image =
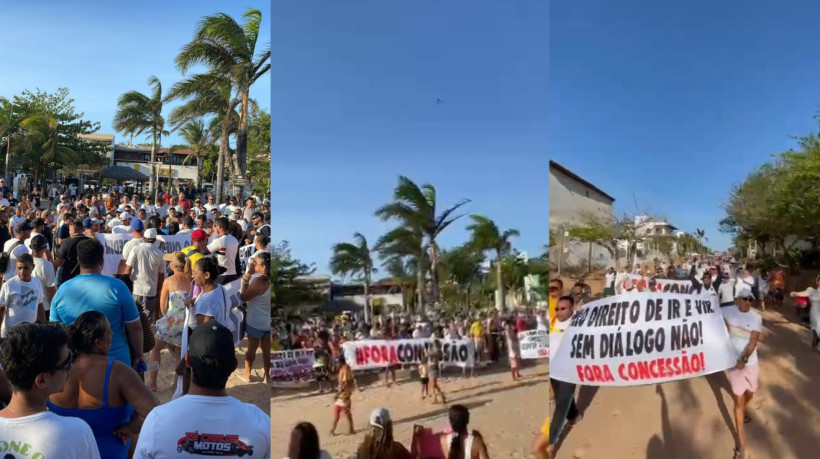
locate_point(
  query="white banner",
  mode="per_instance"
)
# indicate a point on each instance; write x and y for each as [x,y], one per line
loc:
[641,283]
[368,354]
[535,344]
[245,253]
[114,243]
[291,369]
[643,338]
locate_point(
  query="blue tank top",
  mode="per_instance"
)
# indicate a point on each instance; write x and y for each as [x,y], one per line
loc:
[103,421]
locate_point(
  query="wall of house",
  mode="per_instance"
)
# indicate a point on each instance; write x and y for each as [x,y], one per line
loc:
[386,299]
[570,202]
[178,172]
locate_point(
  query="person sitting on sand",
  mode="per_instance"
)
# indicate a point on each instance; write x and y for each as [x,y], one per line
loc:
[344,394]
[379,443]
[304,443]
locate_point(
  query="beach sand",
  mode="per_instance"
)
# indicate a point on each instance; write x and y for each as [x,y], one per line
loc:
[256,392]
[692,418]
[507,414]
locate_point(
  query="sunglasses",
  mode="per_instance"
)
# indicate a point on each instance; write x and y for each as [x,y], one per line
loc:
[748,298]
[553,289]
[65,365]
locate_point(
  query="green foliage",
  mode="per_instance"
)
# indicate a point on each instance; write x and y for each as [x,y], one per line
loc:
[70,124]
[353,259]
[288,290]
[40,147]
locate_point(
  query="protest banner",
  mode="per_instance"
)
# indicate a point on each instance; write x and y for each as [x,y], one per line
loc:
[640,283]
[369,354]
[245,253]
[643,338]
[114,243]
[291,369]
[535,344]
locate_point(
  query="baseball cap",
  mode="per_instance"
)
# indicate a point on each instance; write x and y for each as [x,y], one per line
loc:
[87,223]
[212,340]
[136,224]
[199,235]
[126,215]
[150,234]
[38,222]
[38,242]
[23,226]
[380,417]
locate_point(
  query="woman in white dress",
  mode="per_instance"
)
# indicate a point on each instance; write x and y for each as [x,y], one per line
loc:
[813,294]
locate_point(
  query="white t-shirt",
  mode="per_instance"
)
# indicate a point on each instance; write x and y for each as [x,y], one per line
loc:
[208,206]
[113,222]
[557,334]
[726,292]
[28,241]
[741,325]
[20,300]
[11,271]
[148,264]
[225,248]
[129,246]
[44,272]
[213,304]
[610,280]
[185,231]
[162,211]
[48,435]
[203,426]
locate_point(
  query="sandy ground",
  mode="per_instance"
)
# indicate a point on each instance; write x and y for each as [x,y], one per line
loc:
[256,392]
[507,414]
[694,418]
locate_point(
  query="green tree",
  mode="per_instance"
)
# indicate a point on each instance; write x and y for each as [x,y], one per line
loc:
[41,148]
[137,114]
[461,266]
[487,236]
[415,207]
[355,260]
[70,124]
[229,50]
[288,274]
[197,138]
[10,120]
[407,246]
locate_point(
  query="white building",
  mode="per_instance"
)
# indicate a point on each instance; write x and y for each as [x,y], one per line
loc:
[572,200]
[138,157]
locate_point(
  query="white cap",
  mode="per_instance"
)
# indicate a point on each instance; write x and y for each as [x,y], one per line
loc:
[380,417]
[150,234]
[126,215]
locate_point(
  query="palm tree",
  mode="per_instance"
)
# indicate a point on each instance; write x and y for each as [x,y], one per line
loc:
[138,113]
[355,259]
[402,269]
[197,138]
[229,50]
[414,207]
[462,266]
[9,127]
[487,236]
[41,148]
[407,246]
[700,235]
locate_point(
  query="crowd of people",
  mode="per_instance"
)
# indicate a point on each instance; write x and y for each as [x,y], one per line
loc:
[494,338]
[738,291]
[75,344]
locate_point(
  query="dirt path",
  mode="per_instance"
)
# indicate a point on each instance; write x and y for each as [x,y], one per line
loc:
[507,414]
[692,418]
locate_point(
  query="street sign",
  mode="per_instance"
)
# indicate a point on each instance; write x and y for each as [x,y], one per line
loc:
[240,181]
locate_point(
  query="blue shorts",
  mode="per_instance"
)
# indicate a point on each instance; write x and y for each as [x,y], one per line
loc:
[256,333]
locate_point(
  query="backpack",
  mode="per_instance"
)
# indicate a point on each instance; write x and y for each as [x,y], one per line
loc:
[5,257]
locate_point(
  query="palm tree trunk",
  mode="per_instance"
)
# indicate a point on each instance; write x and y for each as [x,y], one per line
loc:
[434,290]
[8,157]
[367,311]
[152,183]
[241,158]
[499,302]
[198,170]
[220,163]
[420,284]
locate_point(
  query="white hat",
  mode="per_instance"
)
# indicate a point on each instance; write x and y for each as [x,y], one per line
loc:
[125,216]
[380,417]
[150,234]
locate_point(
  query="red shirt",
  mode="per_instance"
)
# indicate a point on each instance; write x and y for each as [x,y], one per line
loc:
[520,325]
[186,205]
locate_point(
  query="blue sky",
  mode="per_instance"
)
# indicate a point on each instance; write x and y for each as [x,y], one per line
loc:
[101,49]
[354,95]
[673,102]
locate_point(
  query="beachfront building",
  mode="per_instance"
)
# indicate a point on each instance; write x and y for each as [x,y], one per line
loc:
[138,157]
[659,239]
[572,201]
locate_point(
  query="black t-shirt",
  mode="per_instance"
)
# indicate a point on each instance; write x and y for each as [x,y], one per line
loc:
[4,235]
[68,252]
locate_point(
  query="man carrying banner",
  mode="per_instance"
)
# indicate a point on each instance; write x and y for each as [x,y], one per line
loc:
[745,327]
[562,392]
